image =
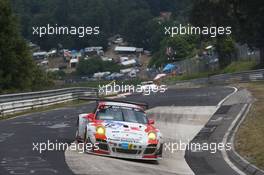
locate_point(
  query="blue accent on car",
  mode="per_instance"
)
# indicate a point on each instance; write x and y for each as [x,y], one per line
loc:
[124,145]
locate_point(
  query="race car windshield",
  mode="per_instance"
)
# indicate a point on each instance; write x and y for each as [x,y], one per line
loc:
[122,114]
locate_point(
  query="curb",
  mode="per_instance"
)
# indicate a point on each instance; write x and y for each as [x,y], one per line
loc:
[241,162]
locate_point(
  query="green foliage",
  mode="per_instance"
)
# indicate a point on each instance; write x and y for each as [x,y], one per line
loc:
[14,56]
[182,47]
[129,18]
[57,75]
[174,79]
[17,69]
[251,23]
[41,80]
[134,28]
[245,18]
[155,34]
[226,48]
[95,64]
[239,66]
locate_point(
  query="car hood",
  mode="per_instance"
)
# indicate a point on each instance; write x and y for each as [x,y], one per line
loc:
[125,132]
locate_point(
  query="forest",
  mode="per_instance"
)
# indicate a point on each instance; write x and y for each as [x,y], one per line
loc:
[112,16]
[135,20]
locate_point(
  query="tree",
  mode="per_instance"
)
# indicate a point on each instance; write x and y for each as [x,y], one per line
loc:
[174,49]
[130,18]
[135,27]
[95,64]
[249,14]
[17,69]
[15,62]
[215,13]
[245,18]
[226,48]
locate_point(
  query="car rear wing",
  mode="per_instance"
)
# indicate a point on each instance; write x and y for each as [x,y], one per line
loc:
[142,104]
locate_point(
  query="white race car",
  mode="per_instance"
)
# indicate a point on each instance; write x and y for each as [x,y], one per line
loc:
[120,129]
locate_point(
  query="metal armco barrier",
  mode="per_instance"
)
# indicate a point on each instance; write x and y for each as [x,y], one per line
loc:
[13,103]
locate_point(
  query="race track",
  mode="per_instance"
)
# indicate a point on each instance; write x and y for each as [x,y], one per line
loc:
[18,135]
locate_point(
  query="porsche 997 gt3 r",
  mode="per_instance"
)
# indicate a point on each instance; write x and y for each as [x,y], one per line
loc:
[120,129]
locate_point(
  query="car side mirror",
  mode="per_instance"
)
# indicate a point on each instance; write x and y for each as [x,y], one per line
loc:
[91,117]
[151,122]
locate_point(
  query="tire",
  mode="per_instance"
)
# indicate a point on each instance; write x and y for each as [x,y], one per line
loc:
[85,136]
[86,140]
[159,152]
[77,137]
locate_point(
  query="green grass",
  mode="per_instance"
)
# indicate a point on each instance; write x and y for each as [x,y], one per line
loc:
[239,66]
[249,139]
[174,79]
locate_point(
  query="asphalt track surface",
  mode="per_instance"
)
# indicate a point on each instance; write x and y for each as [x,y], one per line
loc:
[18,135]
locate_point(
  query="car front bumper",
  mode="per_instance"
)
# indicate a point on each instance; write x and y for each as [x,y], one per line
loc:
[129,150]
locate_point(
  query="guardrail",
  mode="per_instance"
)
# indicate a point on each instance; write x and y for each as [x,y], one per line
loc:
[13,103]
[246,76]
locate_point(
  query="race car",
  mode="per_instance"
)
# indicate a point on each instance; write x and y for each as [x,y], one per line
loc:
[120,129]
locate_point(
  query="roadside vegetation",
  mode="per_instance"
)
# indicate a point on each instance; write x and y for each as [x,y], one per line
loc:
[95,64]
[249,138]
[174,79]
[132,19]
[181,47]
[242,16]
[18,71]
[141,23]
[237,66]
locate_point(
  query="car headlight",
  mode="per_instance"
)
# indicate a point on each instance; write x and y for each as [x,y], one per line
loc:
[152,136]
[100,130]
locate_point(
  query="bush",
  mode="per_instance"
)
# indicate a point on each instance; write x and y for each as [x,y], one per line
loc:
[182,47]
[239,66]
[95,64]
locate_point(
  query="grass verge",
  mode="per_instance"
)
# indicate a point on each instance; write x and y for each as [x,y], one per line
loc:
[174,79]
[47,108]
[237,66]
[249,140]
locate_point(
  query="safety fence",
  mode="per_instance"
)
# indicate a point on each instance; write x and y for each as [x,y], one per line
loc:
[13,103]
